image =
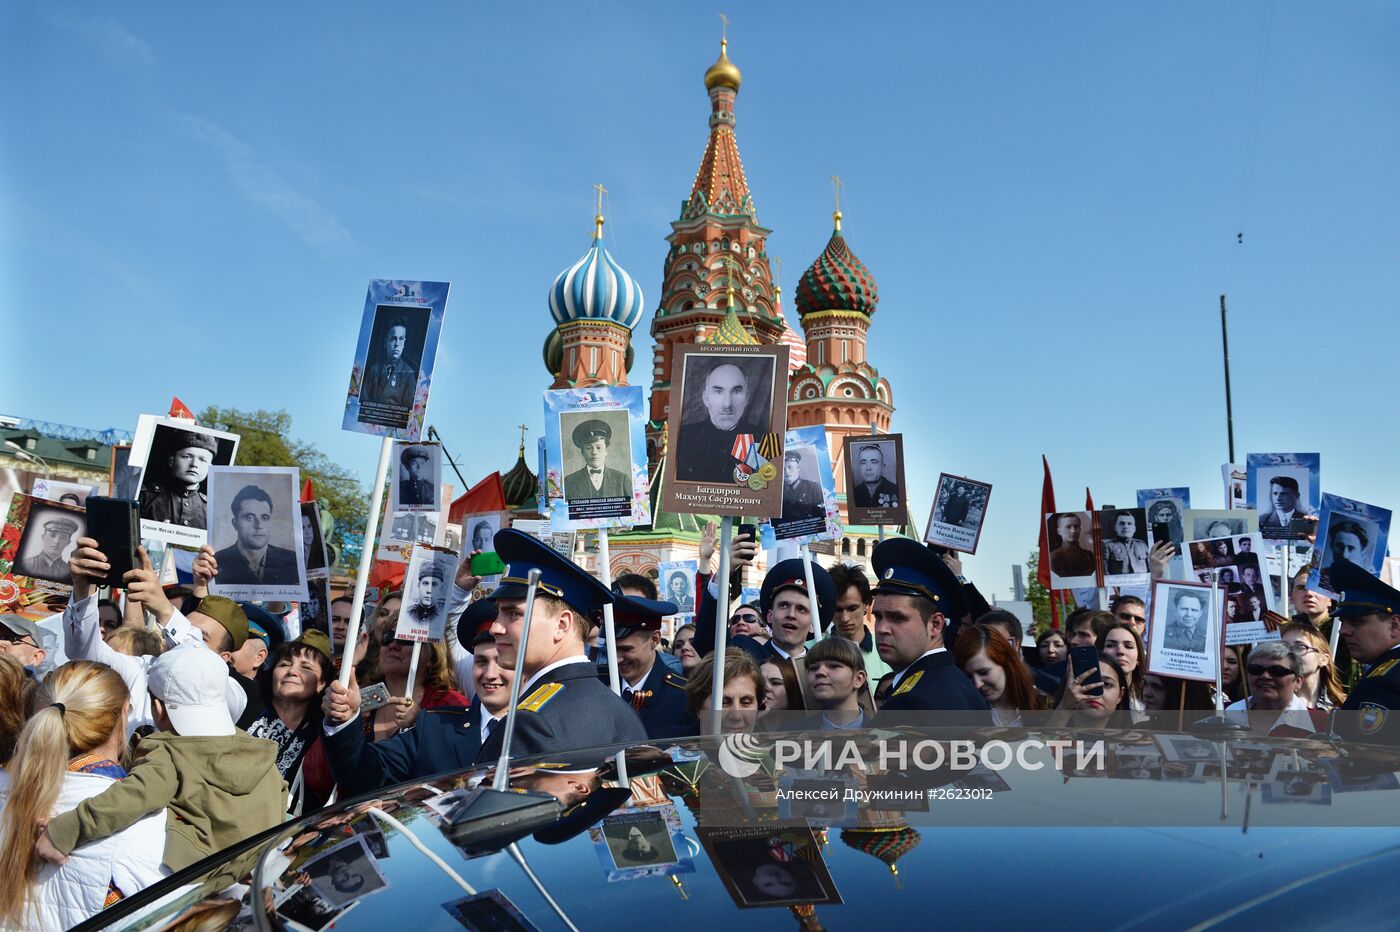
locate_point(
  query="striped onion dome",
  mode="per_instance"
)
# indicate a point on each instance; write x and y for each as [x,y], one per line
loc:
[596,288]
[519,483]
[797,347]
[837,281]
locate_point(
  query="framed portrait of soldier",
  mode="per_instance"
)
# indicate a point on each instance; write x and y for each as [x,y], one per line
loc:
[959,508]
[641,843]
[174,486]
[1285,489]
[810,513]
[417,470]
[727,423]
[313,541]
[595,452]
[675,580]
[1070,537]
[779,864]
[423,612]
[394,358]
[1183,633]
[46,534]
[1348,530]
[875,488]
[255,529]
[1123,546]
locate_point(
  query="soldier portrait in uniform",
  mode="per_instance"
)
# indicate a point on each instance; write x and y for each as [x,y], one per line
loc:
[175,482]
[256,530]
[959,507]
[423,613]
[875,478]
[416,472]
[1182,639]
[802,492]
[1069,535]
[1124,544]
[597,463]
[638,839]
[395,352]
[762,868]
[47,540]
[391,371]
[313,542]
[345,873]
[723,400]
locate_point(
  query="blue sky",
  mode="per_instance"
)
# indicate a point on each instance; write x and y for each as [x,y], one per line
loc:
[1047,194]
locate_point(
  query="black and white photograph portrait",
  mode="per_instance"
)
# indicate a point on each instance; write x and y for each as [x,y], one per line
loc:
[1183,637]
[255,529]
[1070,536]
[1350,538]
[1204,524]
[47,540]
[676,582]
[959,507]
[1186,749]
[417,469]
[315,612]
[69,493]
[345,873]
[1124,544]
[307,908]
[770,865]
[392,364]
[1284,488]
[875,478]
[597,452]
[313,541]
[638,839]
[175,481]
[404,529]
[1167,511]
[726,405]
[803,499]
[423,611]
[479,531]
[490,911]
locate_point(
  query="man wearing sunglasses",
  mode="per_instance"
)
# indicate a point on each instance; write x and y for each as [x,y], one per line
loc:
[1131,609]
[22,640]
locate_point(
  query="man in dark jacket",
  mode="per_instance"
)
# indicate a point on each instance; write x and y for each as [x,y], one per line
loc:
[648,686]
[705,449]
[252,558]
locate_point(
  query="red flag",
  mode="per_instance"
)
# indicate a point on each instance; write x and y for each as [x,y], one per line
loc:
[387,575]
[308,491]
[178,409]
[486,495]
[1088,499]
[1042,570]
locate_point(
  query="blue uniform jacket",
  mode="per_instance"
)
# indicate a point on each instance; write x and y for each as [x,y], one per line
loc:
[441,740]
[933,682]
[568,709]
[1372,710]
[661,707]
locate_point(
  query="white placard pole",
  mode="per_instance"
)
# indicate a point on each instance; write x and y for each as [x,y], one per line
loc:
[357,607]
[726,534]
[1219,641]
[609,628]
[812,605]
[413,669]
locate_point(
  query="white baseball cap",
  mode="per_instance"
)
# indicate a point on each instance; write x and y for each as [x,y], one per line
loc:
[192,681]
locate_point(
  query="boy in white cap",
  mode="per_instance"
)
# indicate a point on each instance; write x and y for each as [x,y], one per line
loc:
[218,784]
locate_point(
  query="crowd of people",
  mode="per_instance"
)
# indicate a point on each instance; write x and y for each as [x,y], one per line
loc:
[170,731]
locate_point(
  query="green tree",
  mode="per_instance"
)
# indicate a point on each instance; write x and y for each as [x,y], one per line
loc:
[1036,594]
[266,440]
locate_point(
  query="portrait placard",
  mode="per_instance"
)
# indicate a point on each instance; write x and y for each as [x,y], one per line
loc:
[417,471]
[346,872]
[810,512]
[1183,638]
[123,479]
[394,358]
[255,529]
[39,537]
[1285,489]
[1239,572]
[777,864]
[875,490]
[727,422]
[596,457]
[479,531]
[423,612]
[175,480]
[401,530]
[491,910]
[1070,537]
[69,493]
[1241,630]
[315,612]
[959,508]
[313,541]
[675,580]
[1349,530]
[1236,478]
[1123,546]
[1208,523]
[636,843]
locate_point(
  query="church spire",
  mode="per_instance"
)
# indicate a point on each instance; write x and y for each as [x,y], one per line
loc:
[720,186]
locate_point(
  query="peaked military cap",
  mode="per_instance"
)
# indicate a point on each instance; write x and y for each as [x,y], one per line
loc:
[633,613]
[590,430]
[560,577]
[1362,593]
[788,574]
[907,567]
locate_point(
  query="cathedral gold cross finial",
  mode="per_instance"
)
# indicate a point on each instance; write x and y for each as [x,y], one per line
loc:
[728,262]
[837,185]
[598,217]
[523,428]
[778,276]
[724,28]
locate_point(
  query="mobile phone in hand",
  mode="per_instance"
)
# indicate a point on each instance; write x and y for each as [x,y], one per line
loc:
[1161,533]
[115,523]
[749,531]
[1087,658]
[374,697]
[487,563]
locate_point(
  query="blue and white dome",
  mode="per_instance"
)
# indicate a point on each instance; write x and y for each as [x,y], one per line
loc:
[596,288]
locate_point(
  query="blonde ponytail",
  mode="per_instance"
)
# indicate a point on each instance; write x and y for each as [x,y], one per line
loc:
[89,702]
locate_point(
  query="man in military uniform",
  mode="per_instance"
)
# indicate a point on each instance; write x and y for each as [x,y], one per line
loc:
[1186,628]
[802,498]
[175,495]
[595,479]
[1123,553]
[705,449]
[413,488]
[392,380]
[648,686]
[681,590]
[49,563]
[1070,559]
[915,596]
[427,606]
[1369,613]
[252,559]
[873,490]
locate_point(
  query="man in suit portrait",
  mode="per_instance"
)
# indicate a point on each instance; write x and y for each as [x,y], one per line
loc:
[595,479]
[1283,497]
[252,558]
[705,449]
[414,489]
[1186,625]
[802,498]
[392,378]
[955,506]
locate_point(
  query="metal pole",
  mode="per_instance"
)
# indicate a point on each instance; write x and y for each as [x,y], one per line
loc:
[357,607]
[1229,407]
[1219,641]
[434,435]
[502,779]
[726,534]
[413,669]
[609,628]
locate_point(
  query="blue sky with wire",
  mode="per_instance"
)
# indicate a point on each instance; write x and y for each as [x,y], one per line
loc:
[1049,196]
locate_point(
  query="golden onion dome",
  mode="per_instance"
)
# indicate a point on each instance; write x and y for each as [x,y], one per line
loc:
[723,73]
